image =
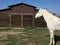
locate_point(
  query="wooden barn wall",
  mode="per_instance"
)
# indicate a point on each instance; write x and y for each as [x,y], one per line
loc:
[16,21]
[22,9]
[40,22]
[6,12]
[27,20]
[4,20]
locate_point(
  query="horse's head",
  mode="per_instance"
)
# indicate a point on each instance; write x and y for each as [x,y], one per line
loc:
[40,12]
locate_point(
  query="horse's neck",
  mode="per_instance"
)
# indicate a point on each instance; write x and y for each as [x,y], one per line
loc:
[48,17]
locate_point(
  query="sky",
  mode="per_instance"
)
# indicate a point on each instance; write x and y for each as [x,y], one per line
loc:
[52,5]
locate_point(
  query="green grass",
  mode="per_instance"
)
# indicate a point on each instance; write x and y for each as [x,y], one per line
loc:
[29,36]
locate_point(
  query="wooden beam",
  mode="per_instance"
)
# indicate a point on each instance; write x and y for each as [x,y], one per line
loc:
[22,13]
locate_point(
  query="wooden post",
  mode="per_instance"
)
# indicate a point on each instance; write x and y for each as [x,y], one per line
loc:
[22,20]
[9,20]
[33,20]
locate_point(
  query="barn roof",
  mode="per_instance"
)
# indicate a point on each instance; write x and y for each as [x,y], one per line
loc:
[9,7]
[21,4]
[5,9]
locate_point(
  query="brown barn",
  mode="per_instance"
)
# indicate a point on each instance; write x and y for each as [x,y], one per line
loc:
[20,15]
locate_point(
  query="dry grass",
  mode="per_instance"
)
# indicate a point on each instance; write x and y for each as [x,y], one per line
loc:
[27,36]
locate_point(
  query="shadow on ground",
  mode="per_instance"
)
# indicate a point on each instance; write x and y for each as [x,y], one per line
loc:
[56,37]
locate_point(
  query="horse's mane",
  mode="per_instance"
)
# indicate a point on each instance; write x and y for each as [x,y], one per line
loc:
[52,12]
[49,11]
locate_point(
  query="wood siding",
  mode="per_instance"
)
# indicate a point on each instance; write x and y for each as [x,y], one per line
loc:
[4,20]
[27,20]
[20,16]
[16,20]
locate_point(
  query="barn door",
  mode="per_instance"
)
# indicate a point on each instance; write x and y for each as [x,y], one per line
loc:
[16,20]
[27,20]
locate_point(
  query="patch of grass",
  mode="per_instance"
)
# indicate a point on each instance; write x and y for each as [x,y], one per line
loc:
[12,40]
[37,35]
[29,36]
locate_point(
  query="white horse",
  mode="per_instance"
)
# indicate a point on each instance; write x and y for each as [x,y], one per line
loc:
[53,22]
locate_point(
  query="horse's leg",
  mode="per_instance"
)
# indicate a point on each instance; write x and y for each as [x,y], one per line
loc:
[53,41]
[51,37]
